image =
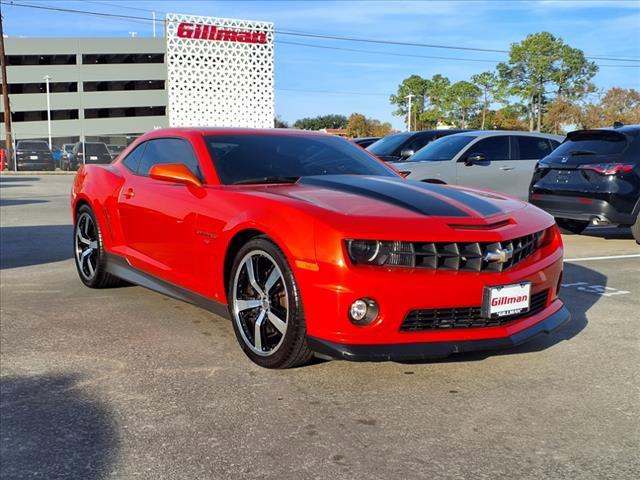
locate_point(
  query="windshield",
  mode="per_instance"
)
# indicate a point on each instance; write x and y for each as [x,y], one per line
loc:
[592,143]
[444,148]
[32,146]
[258,158]
[389,144]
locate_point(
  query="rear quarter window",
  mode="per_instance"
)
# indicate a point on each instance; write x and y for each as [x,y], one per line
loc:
[532,148]
[132,160]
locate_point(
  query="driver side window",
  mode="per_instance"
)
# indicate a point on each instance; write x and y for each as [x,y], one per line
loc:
[163,151]
[418,143]
[493,148]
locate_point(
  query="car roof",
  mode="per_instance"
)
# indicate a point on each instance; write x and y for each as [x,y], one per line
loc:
[437,130]
[632,129]
[204,131]
[493,133]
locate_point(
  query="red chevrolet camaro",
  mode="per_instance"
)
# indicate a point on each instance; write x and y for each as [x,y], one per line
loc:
[313,246]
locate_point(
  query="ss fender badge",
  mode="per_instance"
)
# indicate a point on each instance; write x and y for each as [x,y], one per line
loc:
[207,236]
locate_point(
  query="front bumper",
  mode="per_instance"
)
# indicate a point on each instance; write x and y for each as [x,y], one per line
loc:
[581,208]
[432,350]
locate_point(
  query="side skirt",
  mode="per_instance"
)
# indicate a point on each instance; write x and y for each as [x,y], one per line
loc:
[118,266]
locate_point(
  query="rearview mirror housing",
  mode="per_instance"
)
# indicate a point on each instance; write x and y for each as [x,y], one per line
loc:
[176,173]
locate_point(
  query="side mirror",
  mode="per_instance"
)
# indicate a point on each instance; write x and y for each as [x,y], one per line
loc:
[174,172]
[406,153]
[474,158]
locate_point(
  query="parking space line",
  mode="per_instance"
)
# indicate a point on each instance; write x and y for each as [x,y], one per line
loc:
[609,257]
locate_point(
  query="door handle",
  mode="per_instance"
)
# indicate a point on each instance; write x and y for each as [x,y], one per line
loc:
[129,194]
[506,169]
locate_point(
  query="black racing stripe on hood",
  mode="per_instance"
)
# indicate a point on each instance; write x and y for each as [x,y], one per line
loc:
[474,202]
[391,191]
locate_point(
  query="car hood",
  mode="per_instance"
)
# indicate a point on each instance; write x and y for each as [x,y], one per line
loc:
[390,197]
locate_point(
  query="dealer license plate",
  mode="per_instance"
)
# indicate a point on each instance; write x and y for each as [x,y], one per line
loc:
[33,157]
[506,300]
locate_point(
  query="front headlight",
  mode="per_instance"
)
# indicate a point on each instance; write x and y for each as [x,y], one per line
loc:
[381,252]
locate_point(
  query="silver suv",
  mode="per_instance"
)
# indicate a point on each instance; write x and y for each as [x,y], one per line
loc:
[496,160]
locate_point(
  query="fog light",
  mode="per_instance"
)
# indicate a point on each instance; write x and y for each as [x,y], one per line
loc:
[363,311]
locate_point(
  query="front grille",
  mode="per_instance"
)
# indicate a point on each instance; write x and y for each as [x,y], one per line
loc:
[466,317]
[467,256]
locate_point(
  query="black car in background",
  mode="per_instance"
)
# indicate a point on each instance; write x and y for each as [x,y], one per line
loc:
[593,177]
[97,152]
[115,150]
[34,155]
[365,141]
[398,147]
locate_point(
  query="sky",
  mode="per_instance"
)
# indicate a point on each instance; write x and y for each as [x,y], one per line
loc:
[314,81]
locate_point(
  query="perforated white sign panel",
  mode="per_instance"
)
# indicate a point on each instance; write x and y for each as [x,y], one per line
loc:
[219,72]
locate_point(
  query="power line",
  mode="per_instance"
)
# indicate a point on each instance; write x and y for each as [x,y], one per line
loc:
[124,7]
[427,45]
[311,35]
[409,55]
[375,52]
[331,92]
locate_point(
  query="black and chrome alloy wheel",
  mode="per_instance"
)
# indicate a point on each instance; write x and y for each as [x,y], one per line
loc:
[260,303]
[266,307]
[89,253]
[86,246]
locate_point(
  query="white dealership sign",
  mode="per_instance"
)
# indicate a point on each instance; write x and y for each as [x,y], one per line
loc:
[219,72]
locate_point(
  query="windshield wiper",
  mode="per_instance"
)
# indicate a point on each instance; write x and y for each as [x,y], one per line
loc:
[581,152]
[259,180]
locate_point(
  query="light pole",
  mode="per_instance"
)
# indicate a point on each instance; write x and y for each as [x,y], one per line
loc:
[46,78]
[410,96]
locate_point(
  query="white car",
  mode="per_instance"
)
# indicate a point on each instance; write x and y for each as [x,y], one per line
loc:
[497,160]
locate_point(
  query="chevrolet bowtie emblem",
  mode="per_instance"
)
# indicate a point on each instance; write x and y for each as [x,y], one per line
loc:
[502,255]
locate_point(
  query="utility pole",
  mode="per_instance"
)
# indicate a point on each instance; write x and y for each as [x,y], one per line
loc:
[153,21]
[46,78]
[410,96]
[5,98]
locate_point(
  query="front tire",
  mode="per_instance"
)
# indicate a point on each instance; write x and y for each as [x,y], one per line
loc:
[635,230]
[567,225]
[89,252]
[266,308]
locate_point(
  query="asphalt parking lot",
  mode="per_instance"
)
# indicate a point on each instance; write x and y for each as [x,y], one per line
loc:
[126,383]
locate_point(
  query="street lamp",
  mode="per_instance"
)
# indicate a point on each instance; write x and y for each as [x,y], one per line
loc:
[46,78]
[409,97]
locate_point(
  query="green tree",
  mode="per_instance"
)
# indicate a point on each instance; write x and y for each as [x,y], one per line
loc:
[436,101]
[462,100]
[536,62]
[321,121]
[493,89]
[416,86]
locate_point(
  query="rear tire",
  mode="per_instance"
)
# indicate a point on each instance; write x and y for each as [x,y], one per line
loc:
[266,308]
[635,230]
[567,225]
[89,252]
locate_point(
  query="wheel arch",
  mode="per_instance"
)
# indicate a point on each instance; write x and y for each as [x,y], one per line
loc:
[235,244]
[81,201]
